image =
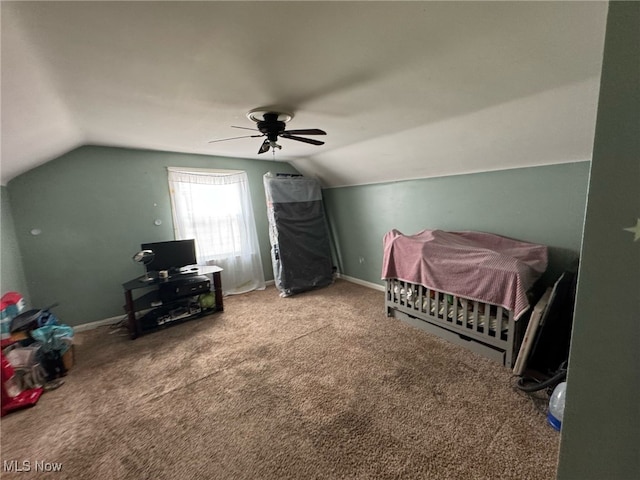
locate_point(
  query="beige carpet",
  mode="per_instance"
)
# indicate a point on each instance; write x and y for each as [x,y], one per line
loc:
[321,385]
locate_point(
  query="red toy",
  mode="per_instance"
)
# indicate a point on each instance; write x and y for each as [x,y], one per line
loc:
[12,397]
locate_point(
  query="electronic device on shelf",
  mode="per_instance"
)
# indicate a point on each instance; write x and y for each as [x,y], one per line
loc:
[192,285]
[171,256]
[145,257]
[175,312]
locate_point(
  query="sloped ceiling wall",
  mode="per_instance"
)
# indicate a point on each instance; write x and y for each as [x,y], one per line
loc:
[403,89]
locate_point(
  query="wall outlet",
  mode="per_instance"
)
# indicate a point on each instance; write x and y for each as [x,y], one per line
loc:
[360,260]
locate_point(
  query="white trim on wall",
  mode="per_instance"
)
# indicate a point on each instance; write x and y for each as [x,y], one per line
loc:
[364,283]
[99,323]
[114,320]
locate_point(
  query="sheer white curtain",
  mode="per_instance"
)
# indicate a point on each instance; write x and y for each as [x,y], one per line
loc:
[215,208]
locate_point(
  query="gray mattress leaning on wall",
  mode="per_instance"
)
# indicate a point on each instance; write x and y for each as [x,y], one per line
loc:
[300,248]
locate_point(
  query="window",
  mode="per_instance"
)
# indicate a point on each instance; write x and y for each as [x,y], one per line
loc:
[214,208]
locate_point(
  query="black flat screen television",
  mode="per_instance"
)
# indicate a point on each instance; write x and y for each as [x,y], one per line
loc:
[171,255]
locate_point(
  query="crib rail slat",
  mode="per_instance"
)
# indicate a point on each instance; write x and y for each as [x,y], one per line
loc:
[476,317]
[454,315]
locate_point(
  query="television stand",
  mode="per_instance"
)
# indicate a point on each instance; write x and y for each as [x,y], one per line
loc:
[177,306]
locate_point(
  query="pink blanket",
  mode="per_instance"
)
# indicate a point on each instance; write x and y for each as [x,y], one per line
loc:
[475,265]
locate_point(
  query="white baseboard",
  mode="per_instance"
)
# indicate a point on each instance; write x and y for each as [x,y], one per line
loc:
[97,323]
[114,320]
[364,283]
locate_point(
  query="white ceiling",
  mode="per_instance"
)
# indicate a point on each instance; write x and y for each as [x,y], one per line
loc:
[403,89]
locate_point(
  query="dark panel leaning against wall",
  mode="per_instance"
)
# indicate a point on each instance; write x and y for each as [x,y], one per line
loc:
[12,278]
[94,207]
[538,204]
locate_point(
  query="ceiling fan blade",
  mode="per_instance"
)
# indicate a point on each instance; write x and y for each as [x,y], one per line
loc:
[301,139]
[308,131]
[245,128]
[265,146]
[233,138]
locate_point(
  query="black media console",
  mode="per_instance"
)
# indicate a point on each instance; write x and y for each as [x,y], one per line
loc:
[168,300]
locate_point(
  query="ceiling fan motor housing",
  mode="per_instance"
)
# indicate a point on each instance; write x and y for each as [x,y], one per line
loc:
[271,126]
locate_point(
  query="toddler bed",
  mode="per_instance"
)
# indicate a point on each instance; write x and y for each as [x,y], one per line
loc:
[470,288]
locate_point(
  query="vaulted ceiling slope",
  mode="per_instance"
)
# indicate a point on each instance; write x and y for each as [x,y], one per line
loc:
[403,89]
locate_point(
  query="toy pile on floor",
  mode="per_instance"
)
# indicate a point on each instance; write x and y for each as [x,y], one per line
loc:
[36,352]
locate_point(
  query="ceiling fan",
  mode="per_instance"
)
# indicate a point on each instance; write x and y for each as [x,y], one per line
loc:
[271,124]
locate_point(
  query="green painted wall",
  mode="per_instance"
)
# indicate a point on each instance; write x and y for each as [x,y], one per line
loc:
[95,206]
[12,277]
[542,205]
[601,427]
